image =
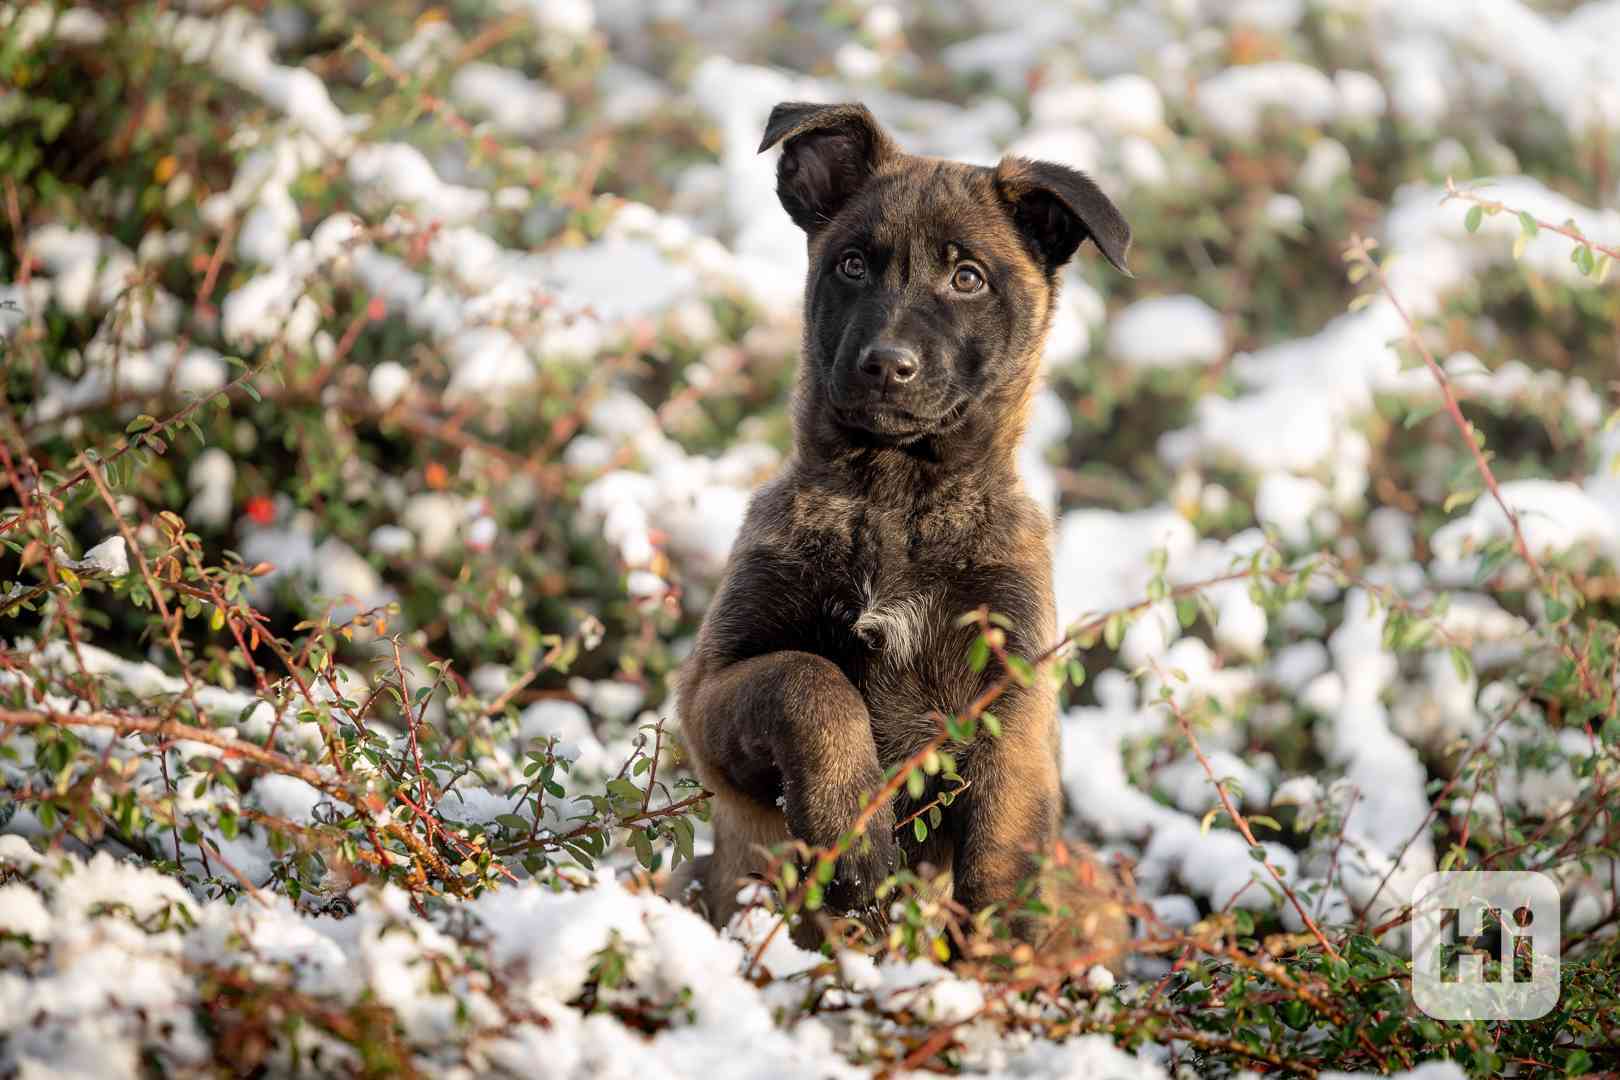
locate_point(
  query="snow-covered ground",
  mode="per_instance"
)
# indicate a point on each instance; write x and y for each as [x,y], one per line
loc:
[102,962]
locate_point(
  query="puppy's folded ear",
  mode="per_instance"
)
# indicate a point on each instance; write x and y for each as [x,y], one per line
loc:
[829,152]
[1057,207]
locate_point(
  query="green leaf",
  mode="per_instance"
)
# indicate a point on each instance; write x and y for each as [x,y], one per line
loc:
[681,827]
[1610,732]
[1472,219]
[621,788]
[140,423]
[1114,630]
[1077,673]
[1459,498]
[1492,558]
[1021,670]
[916,783]
[1528,224]
[1419,413]
[991,723]
[978,653]
[1462,662]
[919,829]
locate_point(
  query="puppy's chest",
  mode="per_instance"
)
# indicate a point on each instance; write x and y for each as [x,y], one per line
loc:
[896,617]
[907,653]
[890,603]
[900,617]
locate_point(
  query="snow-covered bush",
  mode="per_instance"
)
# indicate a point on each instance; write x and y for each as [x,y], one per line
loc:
[384,385]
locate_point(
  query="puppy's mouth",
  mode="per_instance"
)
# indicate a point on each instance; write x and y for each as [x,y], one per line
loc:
[890,421]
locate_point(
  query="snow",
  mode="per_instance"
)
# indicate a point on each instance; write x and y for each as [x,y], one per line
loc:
[564,18]
[1287,503]
[22,912]
[80,26]
[286,796]
[1326,162]
[389,381]
[398,173]
[1554,516]
[271,226]
[238,49]
[269,306]
[212,477]
[516,106]
[1235,101]
[1167,332]
[110,557]
[1122,105]
[570,725]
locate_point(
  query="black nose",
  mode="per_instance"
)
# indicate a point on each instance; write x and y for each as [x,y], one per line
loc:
[889,363]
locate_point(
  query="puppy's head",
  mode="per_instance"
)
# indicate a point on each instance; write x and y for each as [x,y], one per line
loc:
[931,282]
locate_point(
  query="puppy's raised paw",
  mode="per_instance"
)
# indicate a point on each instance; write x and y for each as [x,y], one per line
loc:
[861,870]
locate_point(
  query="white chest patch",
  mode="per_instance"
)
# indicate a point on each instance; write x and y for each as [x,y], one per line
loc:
[896,625]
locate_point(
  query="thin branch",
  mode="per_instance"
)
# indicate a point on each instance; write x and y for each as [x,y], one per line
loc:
[1492,207]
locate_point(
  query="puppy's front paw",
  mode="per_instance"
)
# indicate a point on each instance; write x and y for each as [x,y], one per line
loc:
[860,870]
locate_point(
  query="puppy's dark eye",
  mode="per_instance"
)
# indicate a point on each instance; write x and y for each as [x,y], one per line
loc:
[852,266]
[967,279]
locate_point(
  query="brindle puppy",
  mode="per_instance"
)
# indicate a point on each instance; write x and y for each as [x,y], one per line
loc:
[835,634]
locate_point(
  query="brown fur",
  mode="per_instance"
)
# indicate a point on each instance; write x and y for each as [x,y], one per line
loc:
[834,635]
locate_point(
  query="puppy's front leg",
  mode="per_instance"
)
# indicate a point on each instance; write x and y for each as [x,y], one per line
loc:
[1011,813]
[791,724]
